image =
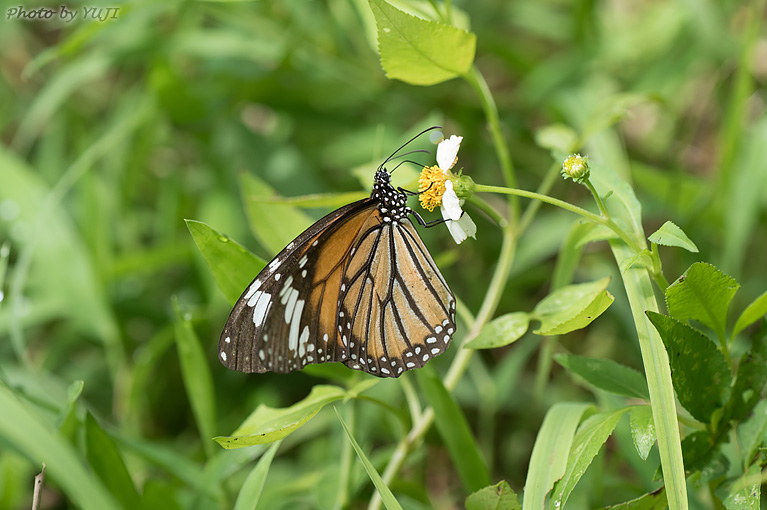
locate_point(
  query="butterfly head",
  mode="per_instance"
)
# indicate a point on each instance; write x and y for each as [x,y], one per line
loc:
[392,203]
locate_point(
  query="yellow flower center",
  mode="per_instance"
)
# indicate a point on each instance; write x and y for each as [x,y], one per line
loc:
[431,186]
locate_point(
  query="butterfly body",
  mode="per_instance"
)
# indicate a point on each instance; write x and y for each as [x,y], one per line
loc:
[358,287]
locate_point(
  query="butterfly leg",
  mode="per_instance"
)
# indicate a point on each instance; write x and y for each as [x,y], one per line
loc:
[425,223]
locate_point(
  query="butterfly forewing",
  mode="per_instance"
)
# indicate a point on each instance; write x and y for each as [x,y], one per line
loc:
[357,287]
[286,317]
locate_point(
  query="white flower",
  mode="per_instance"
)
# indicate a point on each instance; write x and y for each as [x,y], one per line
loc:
[436,188]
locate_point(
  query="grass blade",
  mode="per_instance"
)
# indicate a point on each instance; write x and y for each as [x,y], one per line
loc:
[254,483]
[386,495]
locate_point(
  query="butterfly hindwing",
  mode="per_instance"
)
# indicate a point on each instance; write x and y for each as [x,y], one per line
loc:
[396,310]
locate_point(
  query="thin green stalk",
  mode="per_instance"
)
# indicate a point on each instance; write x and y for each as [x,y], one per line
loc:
[478,83]
[602,220]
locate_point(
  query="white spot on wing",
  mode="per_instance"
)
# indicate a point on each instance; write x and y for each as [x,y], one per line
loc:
[261,306]
[291,298]
[295,323]
[302,261]
[253,288]
[302,341]
[223,356]
[227,340]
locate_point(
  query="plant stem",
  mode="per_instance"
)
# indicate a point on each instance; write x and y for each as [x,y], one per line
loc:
[602,220]
[548,181]
[478,83]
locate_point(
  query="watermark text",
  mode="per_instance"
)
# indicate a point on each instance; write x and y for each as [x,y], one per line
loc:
[62,12]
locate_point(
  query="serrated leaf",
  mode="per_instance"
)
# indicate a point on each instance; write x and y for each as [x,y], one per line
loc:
[700,455]
[455,432]
[267,424]
[589,439]
[501,331]
[642,430]
[572,307]
[698,369]
[557,137]
[702,293]
[232,265]
[606,375]
[671,235]
[549,458]
[418,51]
[753,312]
[494,497]
[389,501]
[744,492]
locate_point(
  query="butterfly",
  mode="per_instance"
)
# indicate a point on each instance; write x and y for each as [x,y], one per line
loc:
[358,287]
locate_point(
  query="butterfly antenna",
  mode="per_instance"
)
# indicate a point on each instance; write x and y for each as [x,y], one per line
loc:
[403,162]
[406,143]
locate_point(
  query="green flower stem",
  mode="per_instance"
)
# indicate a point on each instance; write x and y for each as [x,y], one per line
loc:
[488,209]
[597,198]
[602,220]
[478,83]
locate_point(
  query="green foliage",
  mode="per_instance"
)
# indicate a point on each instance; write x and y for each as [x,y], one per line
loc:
[494,497]
[418,51]
[152,162]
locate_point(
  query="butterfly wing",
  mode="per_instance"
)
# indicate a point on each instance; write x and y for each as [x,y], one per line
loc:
[287,317]
[397,311]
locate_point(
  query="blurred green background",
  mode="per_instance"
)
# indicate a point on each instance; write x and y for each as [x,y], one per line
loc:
[115,131]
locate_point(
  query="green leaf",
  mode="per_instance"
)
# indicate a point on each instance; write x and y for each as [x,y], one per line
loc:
[572,307]
[494,497]
[455,432]
[750,381]
[251,489]
[67,419]
[267,424]
[107,462]
[195,372]
[753,312]
[570,254]
[589,439]
[274,225]
[557,137]
[642,430]
[232,265]
[22,428]
[501,331]
[606,375]
[699,371]
[643,259]
[702,293]
[418,51]
[386,495]
[744,492]
[671,235]
[651,501]
[701,455]
[549,458]
[752,433]
[595,233]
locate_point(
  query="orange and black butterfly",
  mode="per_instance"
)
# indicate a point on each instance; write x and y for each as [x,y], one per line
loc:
[358,287]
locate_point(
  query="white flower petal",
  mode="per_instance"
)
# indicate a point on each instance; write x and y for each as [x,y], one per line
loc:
[462,229]
[451,206]
[447,152]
